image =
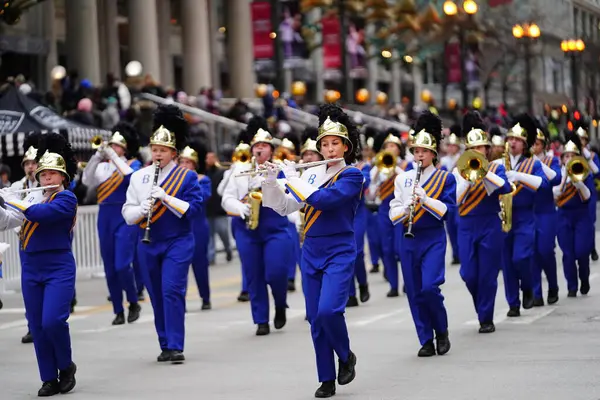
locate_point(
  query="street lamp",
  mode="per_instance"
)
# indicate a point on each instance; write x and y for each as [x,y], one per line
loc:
[529,32]
[572,49]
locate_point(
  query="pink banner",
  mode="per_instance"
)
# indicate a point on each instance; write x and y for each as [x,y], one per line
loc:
[452,57]
[496,3]
[261,30]
[332,48]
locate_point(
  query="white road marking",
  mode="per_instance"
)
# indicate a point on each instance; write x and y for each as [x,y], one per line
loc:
[530,317]
[376,318]
[19,310]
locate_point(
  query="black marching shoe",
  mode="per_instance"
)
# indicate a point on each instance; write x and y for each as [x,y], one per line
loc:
[27,338]
[552,296]
[427,350]
[134,312]
[177,357]
[455,260]
[538,302]
[393,293]
[572,293]
[374,269]
[73,304]
[594,255]
[119,319]
[527,299]
[280,318]
[243,297]
[442,343]
[141,296]
[49,389]
[263,329]
[585,287]
[352,302]
[66,378]
[206,305]
[164,356]
[514,312]
[347,370]
[291,287]
[364,293]
[487,327]
[1,304]
[327,389]
[109,299]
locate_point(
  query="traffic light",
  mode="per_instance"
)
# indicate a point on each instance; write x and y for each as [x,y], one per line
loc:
[576,115]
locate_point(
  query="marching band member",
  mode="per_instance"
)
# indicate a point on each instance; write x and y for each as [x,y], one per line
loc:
[528,176]
[193,157]
[594,163]
[331,194]
[172,197]
[479,229]
[498,143]
[421,200]
[574,224]
[545,223]
[360,229]
[48,267]
[382,186]
[263,240]
[373,235]
[109,171]
[448,162]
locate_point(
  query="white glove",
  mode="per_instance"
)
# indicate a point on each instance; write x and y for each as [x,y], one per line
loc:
[579,185]
[243,210]
[6,193]
[146,206]
[101,152]
[383,176]
[586,153]
[256,182]
[272,172]
[420,193]
[513,176]
[158,193]
[289,169]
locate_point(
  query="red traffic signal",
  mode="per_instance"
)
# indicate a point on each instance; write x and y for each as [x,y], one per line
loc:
[576,115]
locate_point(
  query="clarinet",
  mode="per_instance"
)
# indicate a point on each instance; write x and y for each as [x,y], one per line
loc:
[409,234]
[146,238]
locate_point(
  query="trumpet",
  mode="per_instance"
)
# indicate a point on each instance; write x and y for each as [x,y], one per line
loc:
[385,161]
[411,217]
[578,169]
[241,156]
[146,238]
[472,166]
[261,171]
[97,142]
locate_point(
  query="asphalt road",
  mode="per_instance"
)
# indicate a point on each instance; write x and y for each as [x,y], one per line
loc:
[548,353]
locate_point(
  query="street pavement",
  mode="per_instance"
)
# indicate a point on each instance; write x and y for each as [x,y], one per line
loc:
[548,353]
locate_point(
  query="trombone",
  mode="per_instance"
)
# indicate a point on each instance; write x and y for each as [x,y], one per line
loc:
[472,166]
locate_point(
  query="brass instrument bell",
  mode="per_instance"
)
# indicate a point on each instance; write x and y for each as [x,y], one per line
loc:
[472,165]
[385,161]
[97,142]
[578,169]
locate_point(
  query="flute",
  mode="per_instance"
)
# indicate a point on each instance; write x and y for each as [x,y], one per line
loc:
[35,189]
[296,166]
[146,238]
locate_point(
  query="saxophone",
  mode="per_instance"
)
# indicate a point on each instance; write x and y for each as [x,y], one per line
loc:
[255,202]
[506,200]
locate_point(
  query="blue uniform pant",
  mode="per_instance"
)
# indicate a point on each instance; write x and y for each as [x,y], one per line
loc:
[327,271]
[137,269]
[48,284]
[545,259]
[295,250]
[117,247]
[388,256]
[242,269]
[480,250]
[575,240]
[423,267]
[452,229]
[517,256]
[360,270]
[374,237]
[265,255]
[165,266]
[200,259]
[593,202]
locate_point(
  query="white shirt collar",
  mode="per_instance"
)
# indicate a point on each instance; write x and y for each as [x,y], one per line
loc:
[514,160]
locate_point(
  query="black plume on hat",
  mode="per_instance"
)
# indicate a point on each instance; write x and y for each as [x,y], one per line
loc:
[171,117]
[130,134]
[336,114]
[528,124]
[472,120]
[56,143]
[310,132]
[456,129]
[573,137]
[495,131]
[292,137]
[31,140]
[200,148]
[432,124]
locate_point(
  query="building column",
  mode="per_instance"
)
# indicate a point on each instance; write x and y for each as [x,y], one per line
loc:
[109,38]
[196,45]
[239,49]
[167,75]
[82,38]
[49,27]
[143,36]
